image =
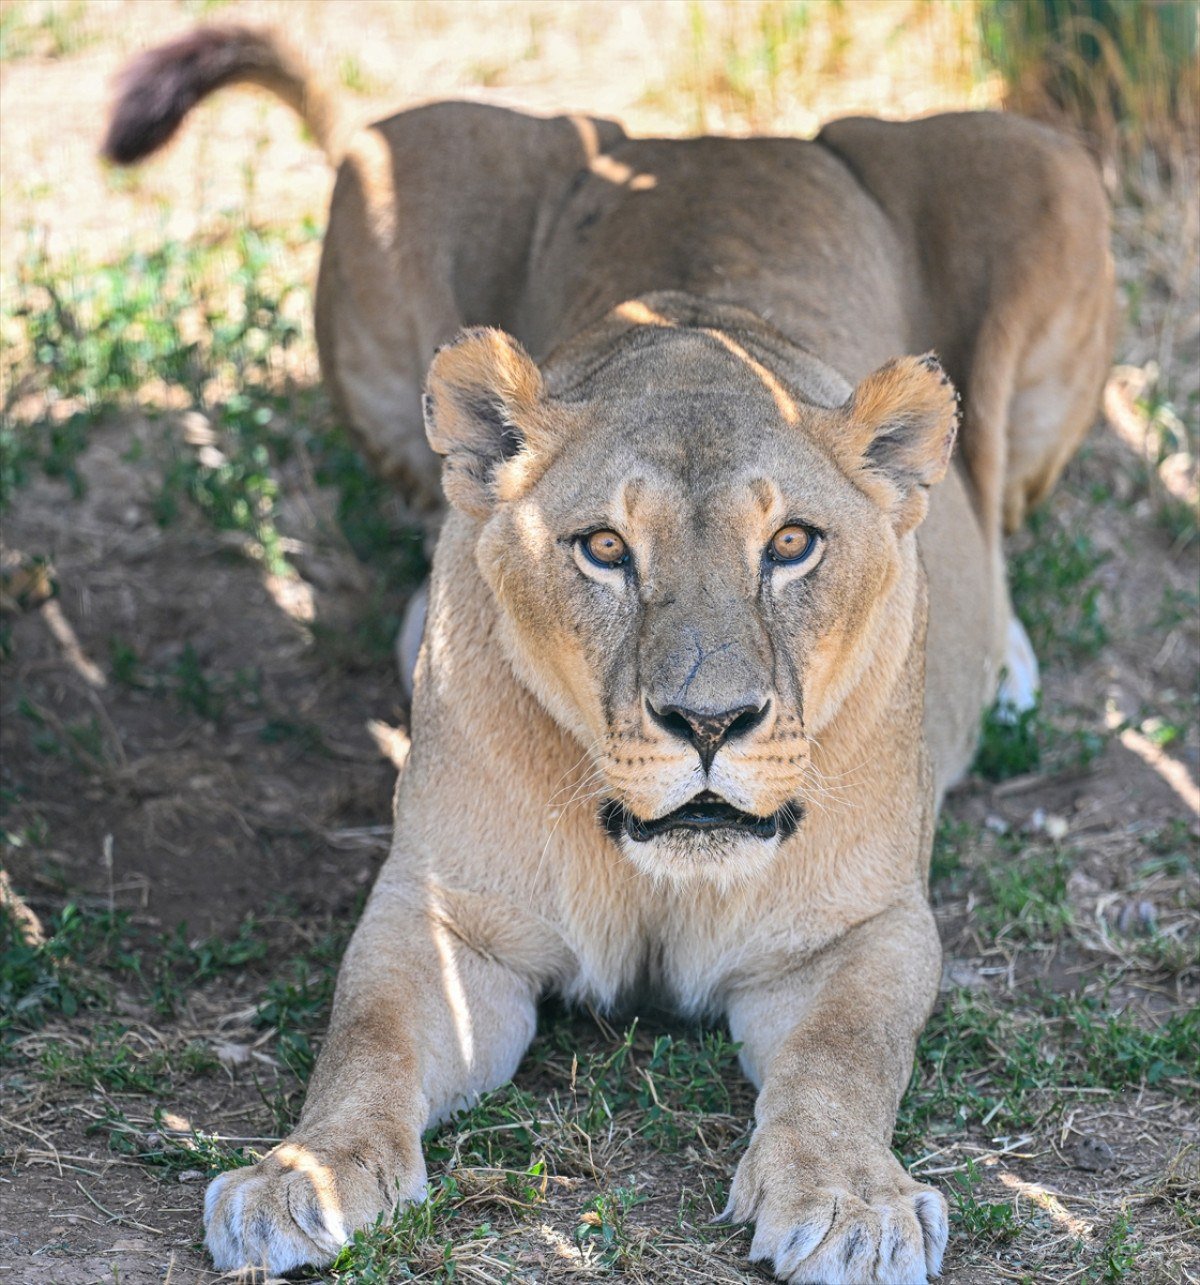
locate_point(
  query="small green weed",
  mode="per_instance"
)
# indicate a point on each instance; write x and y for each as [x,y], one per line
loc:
[1015,744]
[1178,515]
[194,687]
[990,1222]
[681,1080]
[123,663]
[200,689]
[1009,744]
[166,1148]
[501,1131]
[33,831]
[413,1244]
[1055,591]
[1118,1256]
[306,736]
[600,1232]
[179,964]
[354,76]
[1174,849]
[1180,520]
[85,741]
[1161,731]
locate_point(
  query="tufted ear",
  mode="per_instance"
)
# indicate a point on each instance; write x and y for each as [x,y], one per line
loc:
[484,399]
[899,433]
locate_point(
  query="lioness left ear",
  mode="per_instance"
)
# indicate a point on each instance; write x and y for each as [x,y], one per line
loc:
[897,443]
[484,400]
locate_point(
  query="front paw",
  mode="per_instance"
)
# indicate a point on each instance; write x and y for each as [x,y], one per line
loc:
[303,1202]
[824,1218]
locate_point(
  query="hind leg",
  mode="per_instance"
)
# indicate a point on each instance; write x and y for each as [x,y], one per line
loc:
[1051,411]
[1056,392]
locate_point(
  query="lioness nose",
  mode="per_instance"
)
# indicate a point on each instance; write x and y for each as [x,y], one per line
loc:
[706,731]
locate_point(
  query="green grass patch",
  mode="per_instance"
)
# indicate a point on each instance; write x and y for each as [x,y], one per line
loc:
[1009,744]
[1174,849]
[1123,72]
[501,1153]
[202,690]
[662,1085]
[207,325]
[951,841]
[86,951]
[59,975]
[1024,896]
[1012,744]
[112,1059]
[180,964]
[984,1065]
[296,1001]
[45,30]
[205,321]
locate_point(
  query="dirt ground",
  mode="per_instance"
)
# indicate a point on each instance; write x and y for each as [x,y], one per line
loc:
[255,778]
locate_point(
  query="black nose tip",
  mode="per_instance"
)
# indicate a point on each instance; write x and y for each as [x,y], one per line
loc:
[706,731]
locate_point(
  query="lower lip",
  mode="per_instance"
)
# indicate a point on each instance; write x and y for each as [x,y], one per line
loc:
[618,821]
[641,831]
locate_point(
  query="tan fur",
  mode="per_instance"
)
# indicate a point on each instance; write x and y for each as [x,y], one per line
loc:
[694,344]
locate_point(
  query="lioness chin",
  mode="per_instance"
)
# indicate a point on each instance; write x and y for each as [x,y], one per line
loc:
[713,615]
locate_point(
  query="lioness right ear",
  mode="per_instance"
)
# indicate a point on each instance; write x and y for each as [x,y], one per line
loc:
[898,435]
[483,398]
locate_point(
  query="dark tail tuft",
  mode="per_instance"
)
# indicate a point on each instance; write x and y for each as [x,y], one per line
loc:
[158,89]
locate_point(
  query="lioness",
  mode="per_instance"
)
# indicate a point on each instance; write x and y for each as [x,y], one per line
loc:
[713,615]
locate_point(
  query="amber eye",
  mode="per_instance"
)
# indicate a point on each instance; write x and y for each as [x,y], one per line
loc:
[791,544]
[605,549]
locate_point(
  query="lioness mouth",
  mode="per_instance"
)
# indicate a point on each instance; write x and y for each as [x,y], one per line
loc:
[704,812]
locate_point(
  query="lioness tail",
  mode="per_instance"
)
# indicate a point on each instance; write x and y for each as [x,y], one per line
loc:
[159,88]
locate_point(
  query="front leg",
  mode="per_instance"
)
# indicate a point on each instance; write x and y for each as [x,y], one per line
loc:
[832,1047]
[424,1019]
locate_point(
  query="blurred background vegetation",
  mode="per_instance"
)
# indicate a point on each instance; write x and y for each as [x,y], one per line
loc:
[1124,74]
[1125,71]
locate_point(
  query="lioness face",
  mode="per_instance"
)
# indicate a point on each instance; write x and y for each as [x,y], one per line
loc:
[692,605]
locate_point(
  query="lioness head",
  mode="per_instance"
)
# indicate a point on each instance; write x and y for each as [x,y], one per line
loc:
[693,530]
